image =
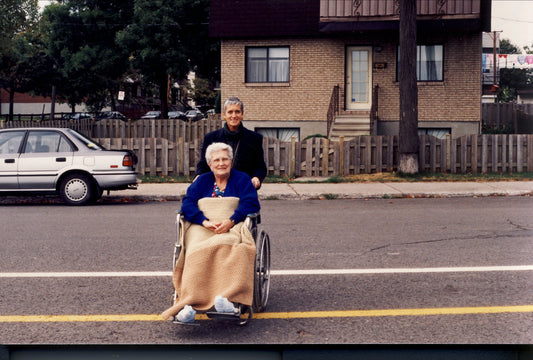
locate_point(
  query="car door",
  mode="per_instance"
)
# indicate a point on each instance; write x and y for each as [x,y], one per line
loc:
[46,154]
[10,147]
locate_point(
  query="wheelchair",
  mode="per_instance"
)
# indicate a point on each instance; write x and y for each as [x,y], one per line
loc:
[261,288]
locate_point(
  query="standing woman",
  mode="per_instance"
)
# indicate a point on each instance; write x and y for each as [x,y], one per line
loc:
[247,145]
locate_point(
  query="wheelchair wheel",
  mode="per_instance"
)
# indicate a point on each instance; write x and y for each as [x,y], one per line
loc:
[262,272]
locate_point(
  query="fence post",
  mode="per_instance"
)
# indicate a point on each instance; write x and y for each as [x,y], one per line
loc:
[325,157]
[179,157]
[448,151]
[292,157]
[341,155]
[529,153]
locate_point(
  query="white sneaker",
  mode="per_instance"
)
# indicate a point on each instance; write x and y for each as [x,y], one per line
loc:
[186,315]
[223,305]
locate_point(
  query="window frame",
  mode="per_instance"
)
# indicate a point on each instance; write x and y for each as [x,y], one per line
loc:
[418,62]
[277,130]
[268,60]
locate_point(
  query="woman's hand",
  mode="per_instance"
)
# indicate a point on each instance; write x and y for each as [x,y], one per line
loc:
[256,182]
[218,227]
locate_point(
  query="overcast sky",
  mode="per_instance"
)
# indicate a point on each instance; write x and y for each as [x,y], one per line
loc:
[515,19]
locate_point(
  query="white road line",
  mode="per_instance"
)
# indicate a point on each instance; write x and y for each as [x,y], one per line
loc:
[275,272]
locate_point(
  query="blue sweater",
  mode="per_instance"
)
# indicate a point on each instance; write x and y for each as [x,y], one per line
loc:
[239,185]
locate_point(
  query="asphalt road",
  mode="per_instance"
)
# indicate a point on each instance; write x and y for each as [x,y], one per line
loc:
[408,271]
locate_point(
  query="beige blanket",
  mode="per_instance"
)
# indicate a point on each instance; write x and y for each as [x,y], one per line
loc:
[211,264]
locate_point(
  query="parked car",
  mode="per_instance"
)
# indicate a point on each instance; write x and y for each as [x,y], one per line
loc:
[152,115]
[177,115]
[62,161]
[111,115]
[194,115]
[76,116]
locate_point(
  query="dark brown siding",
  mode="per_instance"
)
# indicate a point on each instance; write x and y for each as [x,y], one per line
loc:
[263,18]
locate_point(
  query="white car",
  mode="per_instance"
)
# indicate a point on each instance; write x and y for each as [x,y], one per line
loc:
[62,161]
[152,115]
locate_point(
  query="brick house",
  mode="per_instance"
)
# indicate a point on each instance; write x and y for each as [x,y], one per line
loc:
[305,67]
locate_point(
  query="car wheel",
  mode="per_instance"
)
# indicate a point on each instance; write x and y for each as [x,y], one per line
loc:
[76,189]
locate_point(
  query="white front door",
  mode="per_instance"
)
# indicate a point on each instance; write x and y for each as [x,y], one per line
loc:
[358,78]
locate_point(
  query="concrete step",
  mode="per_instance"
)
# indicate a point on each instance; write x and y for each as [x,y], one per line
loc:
[350,125]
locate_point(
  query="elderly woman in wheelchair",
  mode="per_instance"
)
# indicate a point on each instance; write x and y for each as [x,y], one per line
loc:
[214,267]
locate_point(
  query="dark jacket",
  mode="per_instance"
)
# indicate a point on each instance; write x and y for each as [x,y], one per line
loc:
[247,151]
[239,185]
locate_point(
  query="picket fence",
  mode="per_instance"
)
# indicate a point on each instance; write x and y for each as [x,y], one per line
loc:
[362,155]
[172,147]
[170,129]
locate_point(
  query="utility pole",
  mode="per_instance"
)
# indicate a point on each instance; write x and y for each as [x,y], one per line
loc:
[494,58]
[408,135]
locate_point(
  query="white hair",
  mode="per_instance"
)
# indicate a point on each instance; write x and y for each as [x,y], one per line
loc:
[215,147]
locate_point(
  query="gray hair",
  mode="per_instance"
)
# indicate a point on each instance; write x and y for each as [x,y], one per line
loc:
[233,101]
[215,147]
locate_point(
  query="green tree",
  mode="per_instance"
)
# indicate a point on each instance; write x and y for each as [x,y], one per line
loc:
[202,50]
[528,50]
[511,80]
[202,93]
[154,42]
[506,47]
[18,18]
[80,37]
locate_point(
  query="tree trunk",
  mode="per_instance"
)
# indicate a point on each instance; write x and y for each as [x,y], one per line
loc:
[11,103]
[408,136]
[53,104]
[163,91]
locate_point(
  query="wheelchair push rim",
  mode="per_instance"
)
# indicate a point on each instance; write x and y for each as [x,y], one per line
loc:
[262,272]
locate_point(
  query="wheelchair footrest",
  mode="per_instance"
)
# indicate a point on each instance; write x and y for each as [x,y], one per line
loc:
[175,321]
[243,316]
[222,316]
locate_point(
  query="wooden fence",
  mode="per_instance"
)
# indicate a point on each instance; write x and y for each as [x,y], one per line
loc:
[170,129]
[164,147]
[518,118]
[362,155]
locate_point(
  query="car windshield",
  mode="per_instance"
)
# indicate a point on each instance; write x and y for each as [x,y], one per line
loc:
[91,144]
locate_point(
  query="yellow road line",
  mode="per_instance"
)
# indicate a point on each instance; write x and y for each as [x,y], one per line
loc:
[279,315]
[397,312]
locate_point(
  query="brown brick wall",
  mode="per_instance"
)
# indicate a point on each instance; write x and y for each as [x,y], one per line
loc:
[312,77]
[457,98]
[316,65]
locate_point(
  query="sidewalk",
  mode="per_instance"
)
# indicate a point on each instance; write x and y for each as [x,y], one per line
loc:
[305,191]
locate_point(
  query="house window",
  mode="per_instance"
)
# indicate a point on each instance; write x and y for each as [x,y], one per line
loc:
[283,134]
[429,62]
[267,64]
[438,133]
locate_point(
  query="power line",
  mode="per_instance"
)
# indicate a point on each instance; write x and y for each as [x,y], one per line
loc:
[514,20]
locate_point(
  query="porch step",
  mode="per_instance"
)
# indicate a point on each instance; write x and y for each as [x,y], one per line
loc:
[350,125]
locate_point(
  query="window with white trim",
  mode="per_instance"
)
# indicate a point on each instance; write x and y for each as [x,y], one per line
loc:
[267,64]
[429,62]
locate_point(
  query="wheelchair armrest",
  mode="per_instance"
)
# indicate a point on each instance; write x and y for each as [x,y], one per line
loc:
[255,216]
